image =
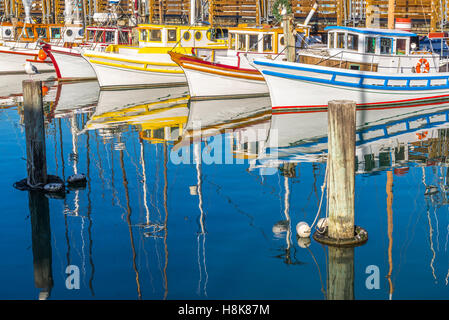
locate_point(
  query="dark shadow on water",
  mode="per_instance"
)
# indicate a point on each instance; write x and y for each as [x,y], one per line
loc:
[41,242]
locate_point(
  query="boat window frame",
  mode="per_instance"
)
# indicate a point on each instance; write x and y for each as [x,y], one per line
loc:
[188,34]
[357,39]
[271,42]
[365,50]
[344,34]
[195,35]
[99,36]
[175,33]
[150,38]
[142,32]
[43,28]
[232,43]
[256,48]
[331,41]
[391,47]
[106,32]
[403,52]
[239,42]
[52,33]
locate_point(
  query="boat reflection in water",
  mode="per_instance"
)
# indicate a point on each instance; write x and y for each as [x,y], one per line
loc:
[236,129]
[159,116]
[390,141]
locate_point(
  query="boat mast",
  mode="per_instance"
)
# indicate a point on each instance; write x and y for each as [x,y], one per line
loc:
[27,9]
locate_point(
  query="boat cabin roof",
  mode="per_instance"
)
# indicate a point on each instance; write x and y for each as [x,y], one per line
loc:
[373,31]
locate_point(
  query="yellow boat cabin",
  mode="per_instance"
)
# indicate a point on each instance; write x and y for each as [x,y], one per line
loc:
[152,35]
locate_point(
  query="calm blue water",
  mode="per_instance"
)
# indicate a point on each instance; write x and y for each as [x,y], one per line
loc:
[147,228]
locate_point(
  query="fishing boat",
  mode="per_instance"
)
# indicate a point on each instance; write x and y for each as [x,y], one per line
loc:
[379,69]
[231,75]
[21,42]
[67,60]
[149,64]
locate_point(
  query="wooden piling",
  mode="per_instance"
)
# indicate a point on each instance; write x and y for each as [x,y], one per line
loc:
[289,37]
[35,133]
[341,168]
[340,274]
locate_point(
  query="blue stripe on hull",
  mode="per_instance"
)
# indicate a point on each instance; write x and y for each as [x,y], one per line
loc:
[359,84]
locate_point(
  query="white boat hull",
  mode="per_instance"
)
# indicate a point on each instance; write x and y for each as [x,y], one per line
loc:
[70,65]
[126,71]
[12,61]
[203,85]
[298,87]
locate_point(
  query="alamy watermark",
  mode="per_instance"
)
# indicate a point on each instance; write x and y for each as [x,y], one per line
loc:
[73,279]
[373,280]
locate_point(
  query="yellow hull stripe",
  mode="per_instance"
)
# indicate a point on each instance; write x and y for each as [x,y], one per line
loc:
[130,60]
[124,66]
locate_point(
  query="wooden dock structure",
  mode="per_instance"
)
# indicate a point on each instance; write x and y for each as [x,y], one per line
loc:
[426,15]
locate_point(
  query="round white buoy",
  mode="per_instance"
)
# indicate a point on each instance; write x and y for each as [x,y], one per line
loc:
[280,227]
[304,242]
[303,229]
[322,223]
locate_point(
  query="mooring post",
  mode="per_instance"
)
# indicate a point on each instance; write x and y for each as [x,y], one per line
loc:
[340,273]
[341,168]
[35,133]
[289,37]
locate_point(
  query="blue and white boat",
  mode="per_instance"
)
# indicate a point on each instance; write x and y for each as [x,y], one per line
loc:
[380,69]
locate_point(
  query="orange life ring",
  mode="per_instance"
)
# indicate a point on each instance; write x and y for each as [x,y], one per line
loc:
[422,63]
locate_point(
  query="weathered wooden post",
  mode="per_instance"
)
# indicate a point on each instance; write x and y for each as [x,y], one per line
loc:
[341,177]
[289,37]
[35,133]
[341,168]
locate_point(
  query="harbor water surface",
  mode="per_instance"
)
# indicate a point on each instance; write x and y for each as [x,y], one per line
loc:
[154,222]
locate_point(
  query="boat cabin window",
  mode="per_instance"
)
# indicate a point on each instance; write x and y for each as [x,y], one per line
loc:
[216,33]
[186,36]
[109,37]
[42,32]
[124,37]
[253,42]
[370,45]
[29,32]
[99,36]
[282,41]
[171,35]
[241,42]
[340,40]
[401,46]
[386,45]
[232,41]
[155,35]
[55,33]
[267,42]
[144,35]
[90,35]
[331,40]
[353,42]
[198,35]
